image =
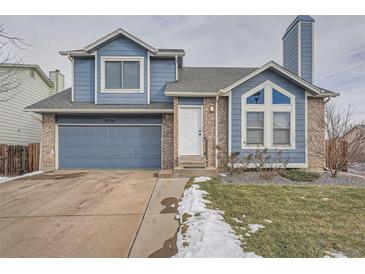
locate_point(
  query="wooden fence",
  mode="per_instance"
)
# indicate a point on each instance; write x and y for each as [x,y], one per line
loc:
[16,160]
[336,149]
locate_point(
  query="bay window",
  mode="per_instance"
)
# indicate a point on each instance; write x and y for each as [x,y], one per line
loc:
[268,117]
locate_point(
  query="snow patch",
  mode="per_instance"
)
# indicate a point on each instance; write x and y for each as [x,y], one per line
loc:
[206,236]
[6,179]
[268,221]
[335,255]
[237,220]
[201,179]
[324,199]
[222,174]
[255,227]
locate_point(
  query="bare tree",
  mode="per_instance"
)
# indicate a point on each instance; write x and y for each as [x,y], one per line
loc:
[339,151]
[8,80]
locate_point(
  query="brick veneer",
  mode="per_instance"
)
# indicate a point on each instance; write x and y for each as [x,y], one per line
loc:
[176,131]
[167,141]
[209,128]
[315,144]
[223,125]
[48,142]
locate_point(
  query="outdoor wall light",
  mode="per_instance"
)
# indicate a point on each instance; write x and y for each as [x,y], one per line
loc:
[211,109]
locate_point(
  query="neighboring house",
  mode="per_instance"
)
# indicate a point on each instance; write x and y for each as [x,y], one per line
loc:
[132,105]
[28,84]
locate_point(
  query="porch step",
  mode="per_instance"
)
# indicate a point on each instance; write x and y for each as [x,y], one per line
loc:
[166,173]
[194,172]
[191,161]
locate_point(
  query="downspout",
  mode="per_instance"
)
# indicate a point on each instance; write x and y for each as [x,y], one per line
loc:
[216,131]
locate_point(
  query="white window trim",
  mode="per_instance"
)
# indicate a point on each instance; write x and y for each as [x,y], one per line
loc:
[268,108]
[122,58]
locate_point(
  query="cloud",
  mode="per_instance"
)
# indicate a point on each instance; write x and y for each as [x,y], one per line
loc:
[208,41]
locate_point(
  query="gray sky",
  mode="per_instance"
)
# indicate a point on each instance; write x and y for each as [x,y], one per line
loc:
[208,41]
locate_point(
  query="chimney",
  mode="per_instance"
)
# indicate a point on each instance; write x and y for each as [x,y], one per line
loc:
[58,81]
[298,51]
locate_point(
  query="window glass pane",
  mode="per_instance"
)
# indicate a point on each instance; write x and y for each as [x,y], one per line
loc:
[281,119]
[130,74]
[281,136]
[113,75]
[257,98]
[279,98]
[255,119]
[281,128]
[255,136]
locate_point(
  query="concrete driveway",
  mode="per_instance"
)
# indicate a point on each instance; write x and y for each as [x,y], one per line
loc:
[73,213]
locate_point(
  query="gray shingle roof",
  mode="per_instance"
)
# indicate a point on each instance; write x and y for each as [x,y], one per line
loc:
[62,101]
[206,79]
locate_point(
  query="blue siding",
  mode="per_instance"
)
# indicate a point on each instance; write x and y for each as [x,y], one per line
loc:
[105,119]
[162,71]
[294,155]
[290,50]
[84,79]
[190,101]
[118,147]
[307,51]
[121,47]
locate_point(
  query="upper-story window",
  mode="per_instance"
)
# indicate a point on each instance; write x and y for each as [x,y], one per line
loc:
[268,117]
[122,74]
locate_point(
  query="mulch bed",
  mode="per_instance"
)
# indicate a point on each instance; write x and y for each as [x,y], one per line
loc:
[249,177]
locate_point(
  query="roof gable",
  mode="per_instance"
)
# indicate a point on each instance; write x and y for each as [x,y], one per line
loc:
[116,34]
[40,72]
[314,90]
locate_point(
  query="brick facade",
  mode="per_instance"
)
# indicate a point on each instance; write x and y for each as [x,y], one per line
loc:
[176,131]
[48,142]
[315,144]
[167,141]
[222,127]
[209,128]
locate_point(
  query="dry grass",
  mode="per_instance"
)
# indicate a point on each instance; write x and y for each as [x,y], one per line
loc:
[307,221]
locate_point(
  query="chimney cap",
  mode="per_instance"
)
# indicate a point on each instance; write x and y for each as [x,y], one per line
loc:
[299,18]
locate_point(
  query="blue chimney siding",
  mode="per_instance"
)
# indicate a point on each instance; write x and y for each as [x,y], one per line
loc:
[290,50]
[298,47]
[307,52]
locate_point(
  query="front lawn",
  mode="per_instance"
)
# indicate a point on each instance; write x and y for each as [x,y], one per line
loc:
[299,221]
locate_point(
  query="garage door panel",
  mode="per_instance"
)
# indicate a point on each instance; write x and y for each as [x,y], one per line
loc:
[109,147]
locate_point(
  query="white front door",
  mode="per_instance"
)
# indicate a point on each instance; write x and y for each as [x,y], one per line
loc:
[190,130]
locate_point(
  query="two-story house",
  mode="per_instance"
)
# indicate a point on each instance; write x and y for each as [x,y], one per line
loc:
[21,86]
[132,105]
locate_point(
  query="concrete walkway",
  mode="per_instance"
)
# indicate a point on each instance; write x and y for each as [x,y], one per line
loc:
[156,237]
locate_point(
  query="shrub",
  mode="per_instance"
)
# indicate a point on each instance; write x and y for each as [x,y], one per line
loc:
[299,175]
